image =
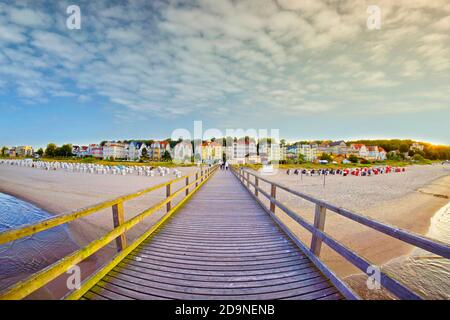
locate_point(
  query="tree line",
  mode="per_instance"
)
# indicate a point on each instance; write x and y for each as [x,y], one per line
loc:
[430,151]
[53,151]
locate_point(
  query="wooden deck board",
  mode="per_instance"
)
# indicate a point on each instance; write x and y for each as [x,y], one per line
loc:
[220,245]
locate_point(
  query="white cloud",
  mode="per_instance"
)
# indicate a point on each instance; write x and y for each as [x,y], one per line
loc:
[11,34]
[28,17]
[170,60]
[307,6]
[442,25]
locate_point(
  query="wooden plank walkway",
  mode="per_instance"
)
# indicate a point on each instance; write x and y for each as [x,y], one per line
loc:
[220,245]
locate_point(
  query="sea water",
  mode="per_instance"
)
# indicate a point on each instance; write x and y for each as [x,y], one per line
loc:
[422,271]
[22,257]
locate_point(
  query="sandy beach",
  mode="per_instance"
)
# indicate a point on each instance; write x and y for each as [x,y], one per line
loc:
[406,200]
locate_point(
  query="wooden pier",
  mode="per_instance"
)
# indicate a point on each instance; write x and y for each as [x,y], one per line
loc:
[220,245]
[220,241]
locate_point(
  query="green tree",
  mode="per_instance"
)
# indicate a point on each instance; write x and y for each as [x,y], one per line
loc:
[418,157]
[166,156]
[325,156]
[50,151]
[66,150]
[40,152]
[4,149]
[301,158]
[353,158]
[392,156]
[404,147]
[144,153]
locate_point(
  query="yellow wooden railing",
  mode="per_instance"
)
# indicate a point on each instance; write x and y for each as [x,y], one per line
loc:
[39,279]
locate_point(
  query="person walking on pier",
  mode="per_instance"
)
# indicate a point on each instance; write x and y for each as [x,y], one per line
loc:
[226,165]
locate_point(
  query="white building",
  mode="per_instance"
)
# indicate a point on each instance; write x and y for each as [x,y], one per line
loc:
[271,152]
[239,151]
[359,150]
[308,151]
[115,150]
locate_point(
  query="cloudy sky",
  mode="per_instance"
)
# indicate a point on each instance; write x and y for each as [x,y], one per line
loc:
[140,69]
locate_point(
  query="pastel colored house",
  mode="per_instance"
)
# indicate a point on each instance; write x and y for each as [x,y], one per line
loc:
[157,150]
[359,150]
[82,151]
[372,153]
[271,151]
[135,150]
[24,151]
[382,154]
[115,150]
[211,151]
[96,151]
[12,152]
[240,150]
[338,148]
[309,151]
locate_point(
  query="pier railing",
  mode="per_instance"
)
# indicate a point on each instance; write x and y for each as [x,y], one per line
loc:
[39,279]
[252,182]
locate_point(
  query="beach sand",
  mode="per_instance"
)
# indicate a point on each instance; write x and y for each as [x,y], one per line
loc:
[406,200]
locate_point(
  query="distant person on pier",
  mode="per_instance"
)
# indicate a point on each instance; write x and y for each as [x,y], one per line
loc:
[226,165]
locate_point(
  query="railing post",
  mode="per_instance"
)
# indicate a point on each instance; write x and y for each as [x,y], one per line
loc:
[168,192]
[256,186]
[187,183]
[196,179]
[319,223]
[118,219]
[248,179]
[273,194]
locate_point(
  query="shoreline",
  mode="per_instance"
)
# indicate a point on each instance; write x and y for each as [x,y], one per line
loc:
[412,261]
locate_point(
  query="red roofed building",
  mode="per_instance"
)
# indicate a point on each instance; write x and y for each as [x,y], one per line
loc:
[157,149]
[359,150]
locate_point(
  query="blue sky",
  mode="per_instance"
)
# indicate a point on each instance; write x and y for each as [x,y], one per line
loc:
[141,69]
